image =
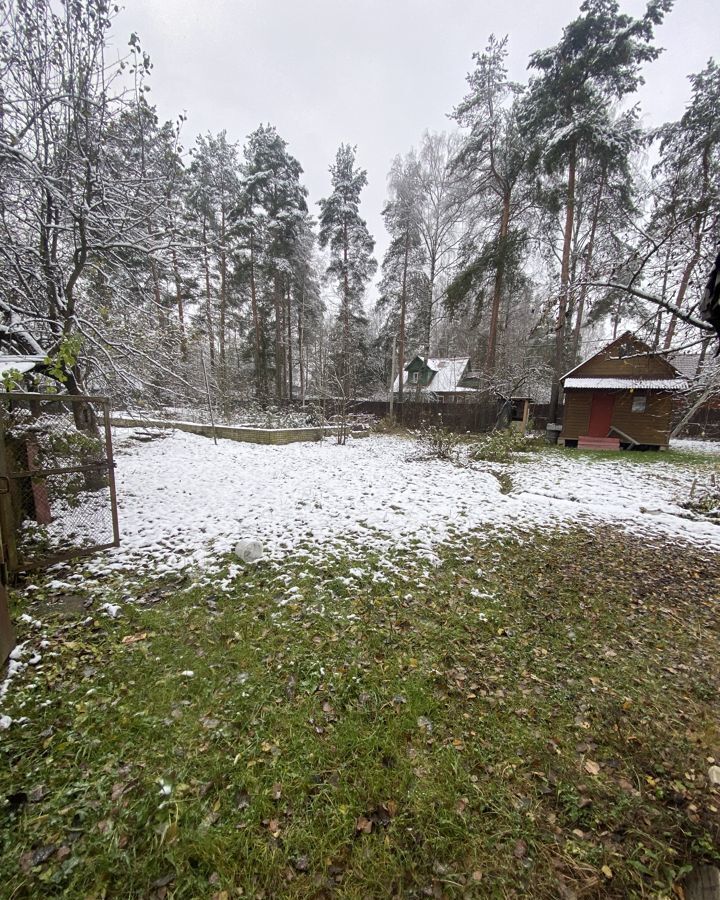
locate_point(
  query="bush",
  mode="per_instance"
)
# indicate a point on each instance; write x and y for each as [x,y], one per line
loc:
[436,442]
[499,446]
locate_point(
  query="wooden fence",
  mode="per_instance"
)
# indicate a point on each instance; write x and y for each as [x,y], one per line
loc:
[464,417]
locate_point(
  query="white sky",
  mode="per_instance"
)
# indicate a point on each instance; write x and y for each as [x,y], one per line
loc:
[375,73]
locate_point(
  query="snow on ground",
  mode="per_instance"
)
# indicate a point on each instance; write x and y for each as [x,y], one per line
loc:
[184,501]
[693,445]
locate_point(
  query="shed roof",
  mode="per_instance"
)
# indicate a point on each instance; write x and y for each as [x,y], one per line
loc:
[620,384]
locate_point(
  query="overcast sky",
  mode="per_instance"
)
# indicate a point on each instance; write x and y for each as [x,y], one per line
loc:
[375,73]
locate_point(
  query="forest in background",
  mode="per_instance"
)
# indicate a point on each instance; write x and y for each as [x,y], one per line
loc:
[544,222]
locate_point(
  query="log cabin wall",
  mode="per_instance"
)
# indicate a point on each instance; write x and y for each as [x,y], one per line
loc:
[576,416]
[649,427]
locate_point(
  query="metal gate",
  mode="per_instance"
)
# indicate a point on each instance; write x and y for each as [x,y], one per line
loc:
[57,479]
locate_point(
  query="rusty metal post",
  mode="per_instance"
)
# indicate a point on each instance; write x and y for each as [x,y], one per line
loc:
[111,472]
[41,501]
[7,540]
[8,550]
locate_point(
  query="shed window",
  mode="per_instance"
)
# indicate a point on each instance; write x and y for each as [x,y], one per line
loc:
[414,377]
[639,403]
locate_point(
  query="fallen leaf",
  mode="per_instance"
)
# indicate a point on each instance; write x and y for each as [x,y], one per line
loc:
[274,827]
[364,825]
[276,791]
[520,849]
[591,767]
[134,638]
[607,871]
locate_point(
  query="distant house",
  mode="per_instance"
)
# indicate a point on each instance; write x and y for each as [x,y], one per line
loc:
[620,397]
[435,379]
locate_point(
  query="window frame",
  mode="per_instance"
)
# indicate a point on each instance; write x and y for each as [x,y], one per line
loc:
[637,399]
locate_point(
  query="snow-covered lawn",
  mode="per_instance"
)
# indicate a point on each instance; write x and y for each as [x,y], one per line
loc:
[184,501]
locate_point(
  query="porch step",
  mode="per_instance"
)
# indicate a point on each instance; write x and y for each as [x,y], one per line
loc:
[598,443]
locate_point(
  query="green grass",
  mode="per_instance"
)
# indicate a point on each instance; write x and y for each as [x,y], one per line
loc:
[677,457]
[533,718]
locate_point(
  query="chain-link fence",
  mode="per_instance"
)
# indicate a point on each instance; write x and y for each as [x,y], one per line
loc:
[57,487]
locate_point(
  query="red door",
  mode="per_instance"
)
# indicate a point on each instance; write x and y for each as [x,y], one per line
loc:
[601,412]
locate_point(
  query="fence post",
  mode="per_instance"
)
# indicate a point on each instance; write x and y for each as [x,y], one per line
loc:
[111,472]
[7,519]
[8,552]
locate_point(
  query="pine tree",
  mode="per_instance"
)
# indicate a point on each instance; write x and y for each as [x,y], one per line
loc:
[493,159]
[352,264]
[567,111]
[687,195]
[404,285]
[271,216]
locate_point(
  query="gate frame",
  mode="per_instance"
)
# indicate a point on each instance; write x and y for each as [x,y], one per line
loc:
[10,563]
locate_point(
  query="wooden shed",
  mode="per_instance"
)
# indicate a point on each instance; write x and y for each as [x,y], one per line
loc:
[620,397]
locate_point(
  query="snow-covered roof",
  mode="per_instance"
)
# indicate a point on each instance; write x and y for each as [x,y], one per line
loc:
[19,363]
[448,372]
[620,384]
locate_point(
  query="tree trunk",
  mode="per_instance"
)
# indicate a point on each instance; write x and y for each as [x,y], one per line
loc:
[180,307]
[345,374]
[259,377]
[498,285]
[697,246]
[564,286]
[403,309]
[223,306]
[289,347]
[587,268]
[278,303]
[685,280]
[208,296]
[301,338]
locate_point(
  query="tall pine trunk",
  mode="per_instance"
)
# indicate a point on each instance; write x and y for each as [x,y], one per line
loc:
[587,268]
[223,301]
[698,225]
[301,339]
[259,374]
[208,295]
[278,303]
[180,307]
[559,356]
[403,310]
[346,318]
[289,347]
[498,284]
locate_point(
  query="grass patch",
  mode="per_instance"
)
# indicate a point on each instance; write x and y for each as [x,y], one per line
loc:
[675,457]
[532,717]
